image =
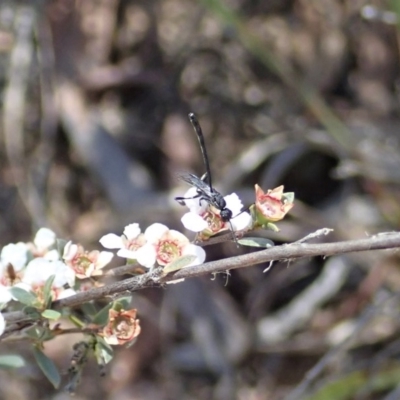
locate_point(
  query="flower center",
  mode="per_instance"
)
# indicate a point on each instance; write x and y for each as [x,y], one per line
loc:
[214,221]
[137,243]
[168,251]
[122,328]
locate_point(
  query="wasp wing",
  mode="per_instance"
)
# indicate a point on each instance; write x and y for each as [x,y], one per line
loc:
[198,183]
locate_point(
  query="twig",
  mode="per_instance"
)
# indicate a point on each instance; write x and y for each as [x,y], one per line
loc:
[388,240]
[316,234]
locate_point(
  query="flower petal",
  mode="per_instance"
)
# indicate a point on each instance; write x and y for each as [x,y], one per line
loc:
[193,222]
[125,253]
[176,235]
[15,254]
[154,232]
[5,295]
[132,231]
[197,251]
[66,293]
[193,201]
[52,255]
[111,241]
[241,222]
[146,256]
[234,203]
[44,238]
[2,324]
[104,258]
[70,250]
[63,273]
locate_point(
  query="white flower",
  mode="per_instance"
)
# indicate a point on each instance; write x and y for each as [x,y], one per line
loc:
[14,254]
[2,324]
[156,244]
[85,263]
[44,239]
[40,269]
[165,245]
[200,218]
[130,244]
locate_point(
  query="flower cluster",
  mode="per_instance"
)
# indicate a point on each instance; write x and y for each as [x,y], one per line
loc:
[32,266]
[156,246]
[29,265]
[206,220]
[48,269]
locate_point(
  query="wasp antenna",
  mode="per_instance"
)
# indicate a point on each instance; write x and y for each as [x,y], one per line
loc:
[199,132]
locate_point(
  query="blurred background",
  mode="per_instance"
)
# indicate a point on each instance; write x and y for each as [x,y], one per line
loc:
[305,93]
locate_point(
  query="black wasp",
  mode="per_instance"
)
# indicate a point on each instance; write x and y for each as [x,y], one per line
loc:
[205,190]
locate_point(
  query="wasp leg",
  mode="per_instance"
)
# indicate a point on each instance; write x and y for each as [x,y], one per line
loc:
[181,200]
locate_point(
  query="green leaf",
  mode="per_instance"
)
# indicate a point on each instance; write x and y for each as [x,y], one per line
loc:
[178,264]
[89,309]
[47,366]
[101,318]
[60,244]
[124,302]
[270,226]
[256,242]
[103,351]
[11,361]
[32,312]
[34,332]
[51,314]
[25,297]
[39,333]
[47,290]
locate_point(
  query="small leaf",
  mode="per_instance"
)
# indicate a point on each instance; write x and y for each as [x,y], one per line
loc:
[178,264]
[103,351]
[34,333]
[270,226]
[47,366]
[32,312]
[60,244]
[124,302]
[89,309]
[101,318]
[11,361]
[256,242]
[47,290]
[51,314]
[24,297]
[39,333]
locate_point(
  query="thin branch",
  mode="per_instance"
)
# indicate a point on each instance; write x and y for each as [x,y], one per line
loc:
[154,278]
